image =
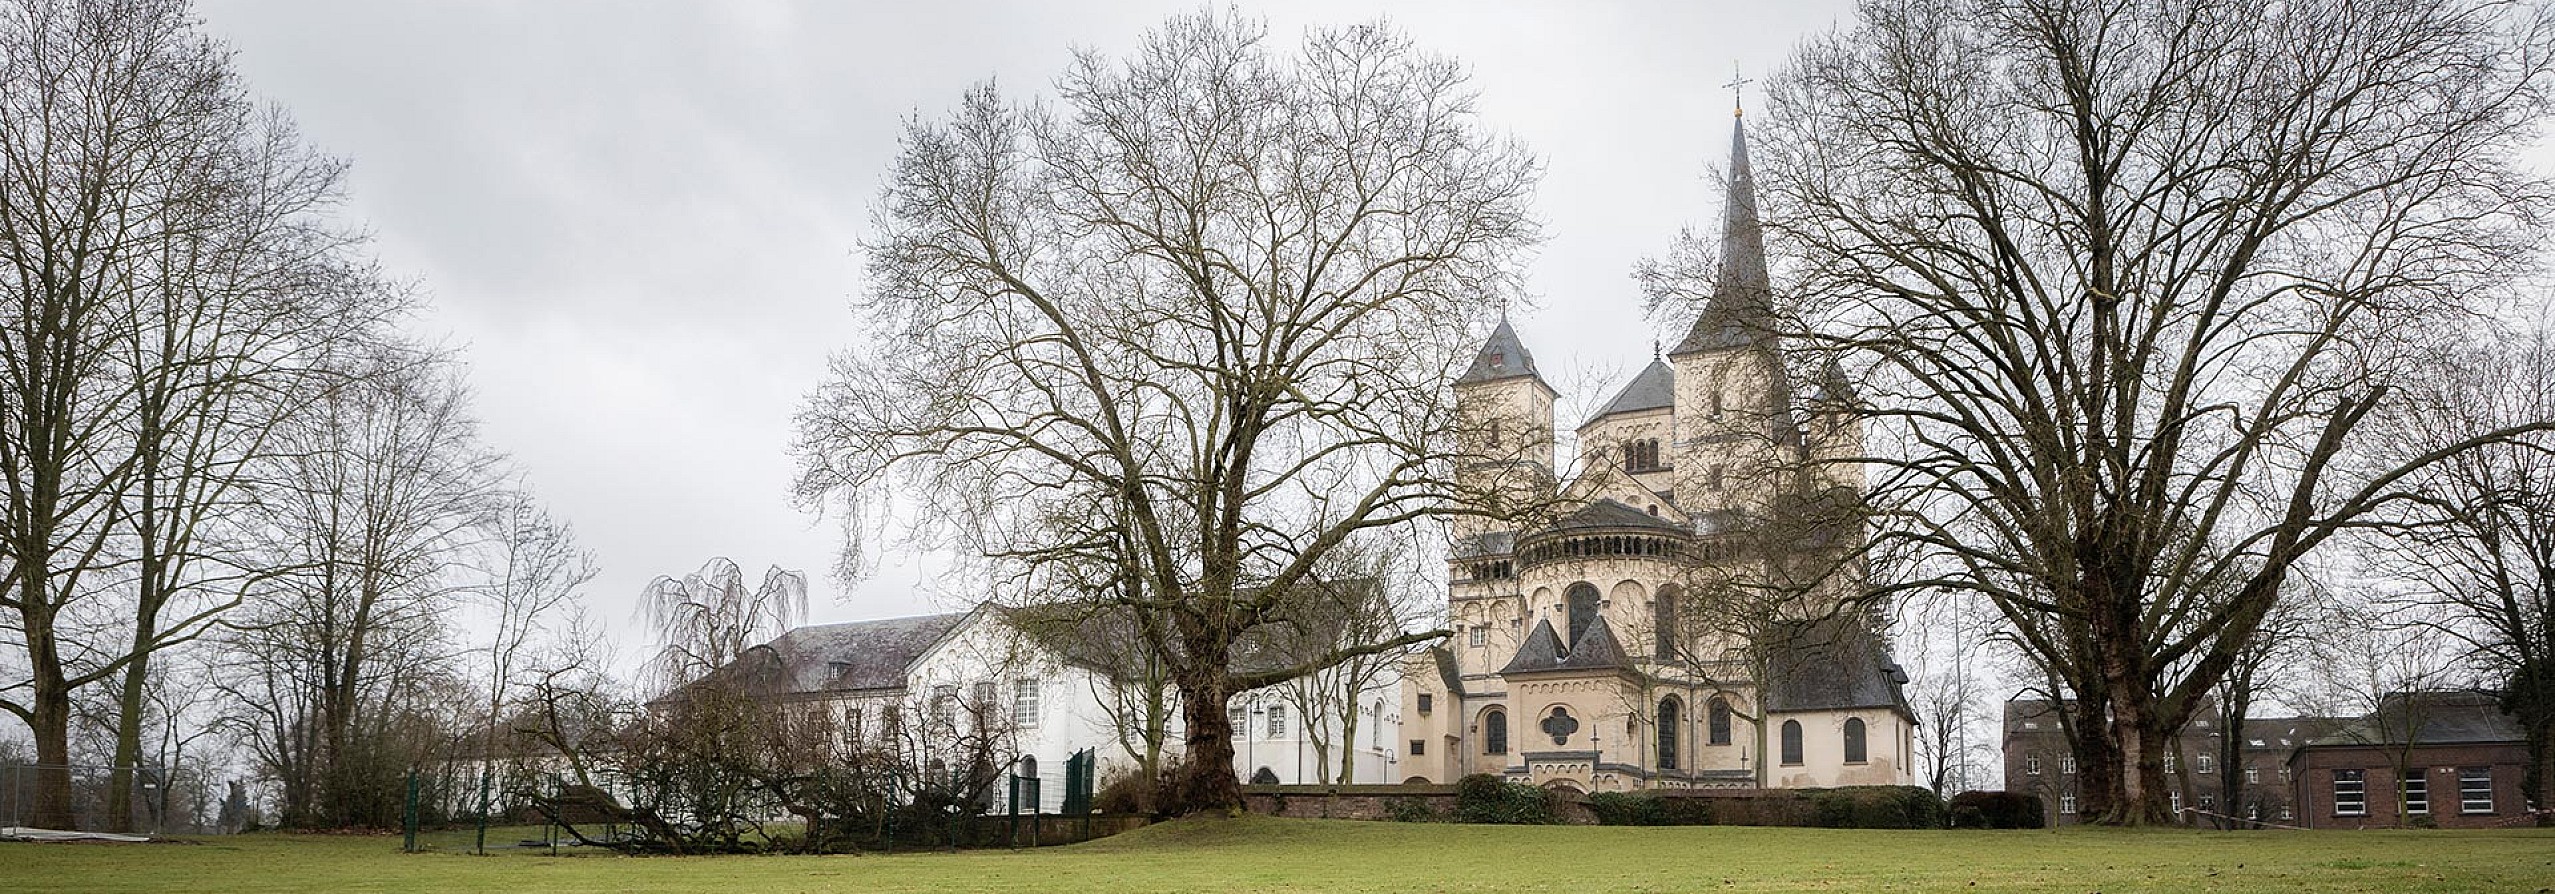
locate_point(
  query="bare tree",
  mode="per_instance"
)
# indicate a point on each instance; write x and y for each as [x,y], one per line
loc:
[344,673]
[1182,332]
[708,619]
[2124,283]
[2477,561]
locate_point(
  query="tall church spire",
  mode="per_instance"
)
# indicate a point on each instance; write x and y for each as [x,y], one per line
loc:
[1741,310]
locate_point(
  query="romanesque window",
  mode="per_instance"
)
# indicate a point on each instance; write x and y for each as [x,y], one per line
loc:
[1717,721]
[1792,743]
[1641,455]
[1582,599]
[1664,626]
[1671,716]
[1560,725]
[1855,751]
[2350,792]
[2474,789]
[1495,732]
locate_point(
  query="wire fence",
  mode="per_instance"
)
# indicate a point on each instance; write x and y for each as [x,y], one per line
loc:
[158,800]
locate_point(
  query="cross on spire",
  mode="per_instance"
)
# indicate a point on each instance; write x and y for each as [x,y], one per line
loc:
[1738,91]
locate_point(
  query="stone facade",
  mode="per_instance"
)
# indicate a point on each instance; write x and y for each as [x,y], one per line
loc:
[1674,609]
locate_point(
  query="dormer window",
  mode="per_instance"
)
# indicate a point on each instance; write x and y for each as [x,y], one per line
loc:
[1498,358]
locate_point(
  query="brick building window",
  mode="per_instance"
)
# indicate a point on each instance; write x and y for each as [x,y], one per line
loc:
[2205,762]
[2475,789]
[2031,765]
[2172,761]
[2416,788]
[2067,803]
[2252,775]
[2350,793]
[2066,764]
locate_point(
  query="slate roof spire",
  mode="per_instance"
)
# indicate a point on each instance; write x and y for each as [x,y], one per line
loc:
[1741,310]
[1502,356]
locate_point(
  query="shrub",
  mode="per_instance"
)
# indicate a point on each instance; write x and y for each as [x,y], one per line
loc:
[1997,810]
[1876,807]
[1625,809]
[1409,810]
[1484,798]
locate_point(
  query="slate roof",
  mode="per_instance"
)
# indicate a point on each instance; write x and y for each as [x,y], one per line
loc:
[2430,718]
[1612,513]
[1741,310]
[837,657]
[1502,356]
[1544,652]
[1830,664]
[1487,543]
[1655,388]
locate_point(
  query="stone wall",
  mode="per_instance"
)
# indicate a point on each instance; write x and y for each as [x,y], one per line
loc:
[1730,807]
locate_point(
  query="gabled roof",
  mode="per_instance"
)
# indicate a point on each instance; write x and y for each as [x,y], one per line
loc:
[1655,388]
[1502,356]
[838,657]
[2452,717]
[1830,664]
[1544,652]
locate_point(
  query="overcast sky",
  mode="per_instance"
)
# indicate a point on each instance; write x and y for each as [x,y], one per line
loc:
[638,223]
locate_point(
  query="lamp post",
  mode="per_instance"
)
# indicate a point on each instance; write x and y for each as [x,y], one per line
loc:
[1250,740]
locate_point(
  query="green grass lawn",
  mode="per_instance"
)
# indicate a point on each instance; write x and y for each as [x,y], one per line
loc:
[1262,854]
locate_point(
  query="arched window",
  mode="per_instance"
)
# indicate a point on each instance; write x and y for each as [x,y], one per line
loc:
[1670,719]
[1854,751]
[1717,718]
[1792,743]
[1663,621]
[1028,767]
[1583,610]
[1495,732]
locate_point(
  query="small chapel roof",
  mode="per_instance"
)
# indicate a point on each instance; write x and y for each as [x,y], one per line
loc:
[1502,356]
[1544,651]
[1829,664]
[1655,388]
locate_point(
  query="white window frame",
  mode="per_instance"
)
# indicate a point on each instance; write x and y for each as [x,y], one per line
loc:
[2172,761]
[2350,792]
[1479,636]
[2067,804]
[2204,762]
[2467,778]
[2066,764]
[2415,789]
[2253,775]
[1024,703]
[1276,728]
[2031,765]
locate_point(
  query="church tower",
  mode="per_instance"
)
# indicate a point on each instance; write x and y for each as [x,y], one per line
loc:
[1734,418]
[1505,413]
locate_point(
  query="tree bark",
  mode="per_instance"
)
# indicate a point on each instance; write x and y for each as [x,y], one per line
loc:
[1206,782]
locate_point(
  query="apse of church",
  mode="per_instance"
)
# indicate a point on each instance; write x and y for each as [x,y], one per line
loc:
[1589,651]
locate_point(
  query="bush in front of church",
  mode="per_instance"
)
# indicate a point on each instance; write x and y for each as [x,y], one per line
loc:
[1484,798]
[1876,807]
[1997,810]
[1647,809]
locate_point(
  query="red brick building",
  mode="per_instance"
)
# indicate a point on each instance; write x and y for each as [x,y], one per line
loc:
[2446,759]
[2039,763]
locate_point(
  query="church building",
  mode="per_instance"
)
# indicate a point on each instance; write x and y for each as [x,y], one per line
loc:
[1681,607]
